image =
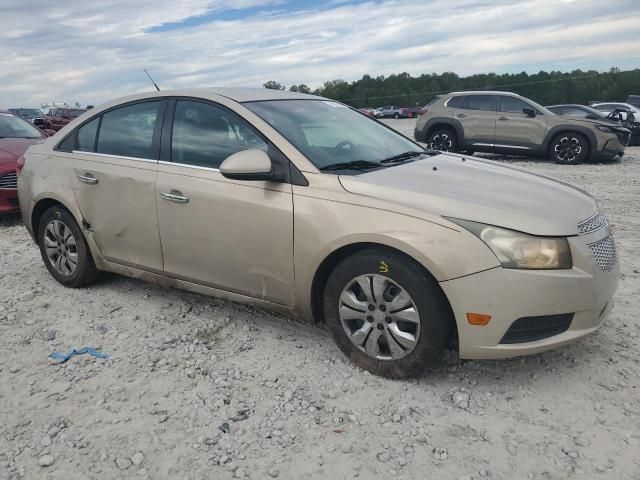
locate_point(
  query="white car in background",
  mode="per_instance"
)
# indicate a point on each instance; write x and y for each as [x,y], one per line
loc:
[609,107]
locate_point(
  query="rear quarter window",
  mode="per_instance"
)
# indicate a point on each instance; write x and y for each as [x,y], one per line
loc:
[455,102]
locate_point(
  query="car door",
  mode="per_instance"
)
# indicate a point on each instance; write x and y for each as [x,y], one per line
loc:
[477,116]
[232,235]
[516,129]
[115,167]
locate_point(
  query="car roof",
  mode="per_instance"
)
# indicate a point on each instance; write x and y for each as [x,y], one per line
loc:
[567,105]
[614,103]
[245,94]
[484,92]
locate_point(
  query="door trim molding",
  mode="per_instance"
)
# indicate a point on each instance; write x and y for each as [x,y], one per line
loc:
[107,155]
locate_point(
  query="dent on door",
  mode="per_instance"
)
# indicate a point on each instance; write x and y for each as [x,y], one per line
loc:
[118,202]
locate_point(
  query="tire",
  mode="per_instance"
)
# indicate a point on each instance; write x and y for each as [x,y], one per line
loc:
[569,148]
[396,116]
[421,319]
[443,139]
[61,242]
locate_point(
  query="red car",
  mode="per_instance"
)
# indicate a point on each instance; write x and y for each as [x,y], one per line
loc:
[56,118]
[16,135]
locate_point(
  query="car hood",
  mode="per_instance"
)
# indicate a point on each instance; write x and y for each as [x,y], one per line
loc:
[12,148]
[481,191]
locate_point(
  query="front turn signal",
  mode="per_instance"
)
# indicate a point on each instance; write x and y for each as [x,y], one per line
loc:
[480,319]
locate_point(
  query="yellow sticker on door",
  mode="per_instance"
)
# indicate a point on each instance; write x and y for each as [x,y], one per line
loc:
[383,267]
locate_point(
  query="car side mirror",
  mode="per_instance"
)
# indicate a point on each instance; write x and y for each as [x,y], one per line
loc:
[529,111]
[48,132]
[248,165]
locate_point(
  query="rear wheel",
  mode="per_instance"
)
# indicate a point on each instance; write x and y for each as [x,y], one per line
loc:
[569,148]
[396,116]
[443,139]
[64,250]
[386,313]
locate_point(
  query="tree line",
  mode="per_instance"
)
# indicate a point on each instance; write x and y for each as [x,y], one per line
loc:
[546,88]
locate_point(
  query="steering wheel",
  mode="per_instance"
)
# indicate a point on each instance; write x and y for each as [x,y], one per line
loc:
[343,144]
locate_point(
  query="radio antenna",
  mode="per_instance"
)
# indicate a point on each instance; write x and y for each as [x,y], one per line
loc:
[154,83]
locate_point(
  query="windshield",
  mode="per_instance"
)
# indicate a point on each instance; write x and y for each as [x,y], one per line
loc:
[15,127]
[31,112]
[329,133]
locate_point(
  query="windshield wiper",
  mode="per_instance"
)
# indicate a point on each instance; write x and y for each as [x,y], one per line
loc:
[402,157]
[354,165]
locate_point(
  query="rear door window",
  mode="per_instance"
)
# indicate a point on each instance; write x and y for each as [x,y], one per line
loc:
[479,102]
[128,131]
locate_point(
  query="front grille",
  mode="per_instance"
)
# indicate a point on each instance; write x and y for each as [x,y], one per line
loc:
[9,180]
[604,251]
[592,224]
[530,329]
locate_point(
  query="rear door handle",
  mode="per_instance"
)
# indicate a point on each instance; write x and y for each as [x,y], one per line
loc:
[174,196]
[502,118]
[87,178]
[461,115]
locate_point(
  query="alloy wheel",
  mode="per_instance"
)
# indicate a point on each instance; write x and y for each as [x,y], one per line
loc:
[379,317]
[568,149]
[441,141]
[61,247]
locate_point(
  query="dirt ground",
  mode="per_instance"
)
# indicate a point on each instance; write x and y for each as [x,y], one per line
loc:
[199,388]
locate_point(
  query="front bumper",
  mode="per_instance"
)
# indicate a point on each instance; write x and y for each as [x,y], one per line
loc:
[507,295]
[9,201]
[613,147]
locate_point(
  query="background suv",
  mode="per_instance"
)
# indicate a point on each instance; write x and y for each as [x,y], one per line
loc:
[32,115]
[504,122]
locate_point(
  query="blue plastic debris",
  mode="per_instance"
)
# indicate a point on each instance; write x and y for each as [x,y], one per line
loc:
[63,357]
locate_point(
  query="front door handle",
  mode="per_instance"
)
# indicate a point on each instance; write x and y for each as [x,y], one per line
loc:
[461,115]
[87,178]
[174,196]
[502,118]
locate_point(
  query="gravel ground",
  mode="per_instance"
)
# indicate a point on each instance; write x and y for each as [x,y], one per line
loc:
[199,388]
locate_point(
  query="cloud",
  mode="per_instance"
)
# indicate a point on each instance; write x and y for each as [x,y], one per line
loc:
[94,51]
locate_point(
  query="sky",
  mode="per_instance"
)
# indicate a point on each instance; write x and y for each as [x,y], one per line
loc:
[93,51]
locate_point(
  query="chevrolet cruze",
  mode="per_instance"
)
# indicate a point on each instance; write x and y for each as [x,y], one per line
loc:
[306,206]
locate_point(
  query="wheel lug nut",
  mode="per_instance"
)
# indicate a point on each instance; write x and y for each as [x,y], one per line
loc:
[380,326]
[383,308]
[372,308]
[369,319]
[388,319]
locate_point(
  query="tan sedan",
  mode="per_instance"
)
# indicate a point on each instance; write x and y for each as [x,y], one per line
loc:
[306,206]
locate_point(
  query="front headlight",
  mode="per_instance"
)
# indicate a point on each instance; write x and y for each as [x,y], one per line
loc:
[521,250]
[604,128]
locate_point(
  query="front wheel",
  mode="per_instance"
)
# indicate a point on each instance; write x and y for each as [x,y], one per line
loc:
[386,313]
[569,148]
[442,139]
[64,250]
